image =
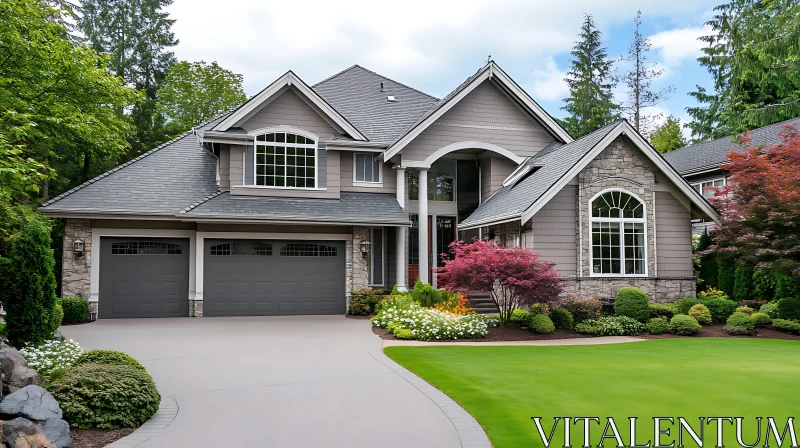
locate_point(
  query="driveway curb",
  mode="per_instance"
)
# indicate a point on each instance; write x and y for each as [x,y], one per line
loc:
[167,411]
[468,429]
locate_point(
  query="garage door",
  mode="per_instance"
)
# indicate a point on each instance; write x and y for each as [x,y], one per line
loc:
[273,278]
[144,277]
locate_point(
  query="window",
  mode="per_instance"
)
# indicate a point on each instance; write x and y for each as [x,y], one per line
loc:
[618,234]
[376,257]
[308,250]
[367,168]
[413,240]
[706,188]
[243,247]
[285,160]
[146,248]
[441,182]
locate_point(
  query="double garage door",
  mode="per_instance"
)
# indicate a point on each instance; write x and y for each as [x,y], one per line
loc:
[150,277]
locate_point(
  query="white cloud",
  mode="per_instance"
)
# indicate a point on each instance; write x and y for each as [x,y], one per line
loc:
[679,44]
[548,82]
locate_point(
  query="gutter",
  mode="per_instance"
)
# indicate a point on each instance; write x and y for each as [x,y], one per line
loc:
[490,221]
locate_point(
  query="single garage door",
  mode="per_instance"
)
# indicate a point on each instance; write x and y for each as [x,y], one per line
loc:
[144,277]
[273,277]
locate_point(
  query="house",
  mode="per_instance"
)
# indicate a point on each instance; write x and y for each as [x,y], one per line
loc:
[304,194]
[700,163]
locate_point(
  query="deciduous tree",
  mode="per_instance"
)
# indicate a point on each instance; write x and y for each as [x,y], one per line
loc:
[668,136]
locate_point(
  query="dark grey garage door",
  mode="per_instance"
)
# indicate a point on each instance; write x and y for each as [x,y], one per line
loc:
[273,278]
[144,277]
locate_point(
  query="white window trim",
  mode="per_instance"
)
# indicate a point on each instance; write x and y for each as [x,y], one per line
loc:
[621,221]
[709,181]
[286,130]
[371,281]
[358,183]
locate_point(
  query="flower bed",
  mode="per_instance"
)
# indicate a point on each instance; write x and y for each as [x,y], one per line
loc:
[52,357]
[407,319]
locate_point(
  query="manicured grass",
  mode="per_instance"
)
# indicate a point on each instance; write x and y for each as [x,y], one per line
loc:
[503,387]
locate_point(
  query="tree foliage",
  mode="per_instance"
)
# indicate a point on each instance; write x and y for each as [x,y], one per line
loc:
[639,82]
[668,137]
[512,275]
[590,79]
[193,92]
[752,56]
[760,207]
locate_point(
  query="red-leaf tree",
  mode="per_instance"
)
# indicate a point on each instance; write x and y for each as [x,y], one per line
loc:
[512,275]
[760,206]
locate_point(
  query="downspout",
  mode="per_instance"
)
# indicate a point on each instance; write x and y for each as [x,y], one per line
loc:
[655,240]
[580,234]
[480,194]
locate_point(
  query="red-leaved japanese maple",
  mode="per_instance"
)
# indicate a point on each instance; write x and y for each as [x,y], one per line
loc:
[760,206]
[512,275]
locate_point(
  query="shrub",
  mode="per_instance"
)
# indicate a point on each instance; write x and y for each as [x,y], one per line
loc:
[30,294]
[52,357]
[540,308]
[363,301]
[455,303]
[720,309]
[610,326]
[682,306]
[106,396]
[521,317]
[430,324]
[726,277]
[658,325]
[581,309]
[75,310]
[789,308]
[425,295]
[743,283]
[712,293]
[764,285]
[733,330]
[788,326]
[562,319]
[540,323]
[744,310]
[633,303]
[743,320]
[685,325]
[770,309]
[55,318]
[404,333]
[701,314]
[754,304]
[109,357]
[761,319]
[662,310]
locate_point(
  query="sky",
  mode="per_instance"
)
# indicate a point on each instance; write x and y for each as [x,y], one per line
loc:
[433,45]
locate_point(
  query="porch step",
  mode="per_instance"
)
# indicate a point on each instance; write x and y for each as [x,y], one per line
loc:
[482,303]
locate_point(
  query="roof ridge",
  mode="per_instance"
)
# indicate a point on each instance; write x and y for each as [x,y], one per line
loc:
[115,169]
[733,136]
[194,205]
[376,74]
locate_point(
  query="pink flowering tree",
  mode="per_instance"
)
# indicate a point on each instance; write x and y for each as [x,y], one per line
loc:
[512,275]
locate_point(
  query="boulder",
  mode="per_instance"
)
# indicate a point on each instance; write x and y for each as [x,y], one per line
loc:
[14,371]
[37,440]
[31,402]
[12,429]
[56,431]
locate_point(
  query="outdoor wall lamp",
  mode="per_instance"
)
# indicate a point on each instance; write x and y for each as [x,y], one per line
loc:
[364,246]
[78,247]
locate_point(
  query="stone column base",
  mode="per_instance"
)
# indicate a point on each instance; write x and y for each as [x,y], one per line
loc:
[659,289]
[93,307]
[195,308]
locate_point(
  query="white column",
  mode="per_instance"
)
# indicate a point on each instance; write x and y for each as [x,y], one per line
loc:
[400,234]
[423,225]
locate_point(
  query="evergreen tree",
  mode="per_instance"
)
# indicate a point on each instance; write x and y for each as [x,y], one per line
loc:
[752,56]
[590,102]
[639,81]
[668,136]
[726,278]
[137,36]
[743,283]
[707,269]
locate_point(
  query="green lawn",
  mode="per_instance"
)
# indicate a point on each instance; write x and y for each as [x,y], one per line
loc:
[503,387]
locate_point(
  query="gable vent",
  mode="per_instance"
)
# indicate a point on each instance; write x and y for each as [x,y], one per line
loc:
[391,99]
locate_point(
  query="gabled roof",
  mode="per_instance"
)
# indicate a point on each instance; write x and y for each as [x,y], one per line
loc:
[289,79]
[557,165]
[710,155]
[489,71]
[356,93]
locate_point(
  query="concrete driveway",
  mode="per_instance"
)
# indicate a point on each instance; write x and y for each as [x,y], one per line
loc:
[275,382]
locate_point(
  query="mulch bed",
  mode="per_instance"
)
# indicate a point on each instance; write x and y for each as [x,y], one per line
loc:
[715,331]
[96,438]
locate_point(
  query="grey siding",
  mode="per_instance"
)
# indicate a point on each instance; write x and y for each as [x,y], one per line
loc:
[236,154]
[290,110]
[388,176]
[673,237]
[485,115]
[249,161]
[224,167]
[554,232]
[486,178]
[501,169]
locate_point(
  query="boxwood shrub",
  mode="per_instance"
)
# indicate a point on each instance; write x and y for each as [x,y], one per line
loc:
[788,326]
[610,326]
[562,319]
[684,325]
[75,310]
[682,306]
[701,314]
[106,396]
[658,325]
[720,309]
[761,319]
[632,302]
[521,316]
[108,357]
[540,323]
[662,310]
[789,308]
[739,319]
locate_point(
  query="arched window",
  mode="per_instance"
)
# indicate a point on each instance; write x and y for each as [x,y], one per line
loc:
[619,234]
[285,159]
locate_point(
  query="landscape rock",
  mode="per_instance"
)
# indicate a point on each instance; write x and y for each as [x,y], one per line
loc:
[14,371]
[57,432]
[31,402]
[12,429]
[37,440]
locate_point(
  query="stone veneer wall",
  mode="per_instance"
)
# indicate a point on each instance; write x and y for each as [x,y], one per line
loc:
[357,265]
[76,271]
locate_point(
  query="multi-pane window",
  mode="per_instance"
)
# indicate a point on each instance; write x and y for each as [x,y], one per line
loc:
[367,168]
[707,188]
[284,159]
[242,247]
[441,182]
[618,235]
[146,248]
[308,250]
